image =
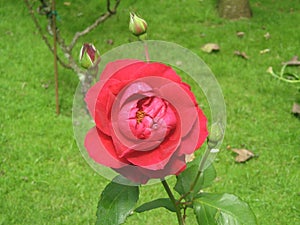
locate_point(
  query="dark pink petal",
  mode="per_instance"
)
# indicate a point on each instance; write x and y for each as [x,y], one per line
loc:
[175,165]
[134,174]
[159,157]
[203,128]
[198,133]
[91,97]
[112,67]
[140,175]
[101,149]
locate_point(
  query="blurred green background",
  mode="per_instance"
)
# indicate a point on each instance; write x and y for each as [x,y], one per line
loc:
[43,177]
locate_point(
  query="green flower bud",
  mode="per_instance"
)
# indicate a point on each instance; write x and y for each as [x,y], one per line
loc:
[137,25]
[88,55]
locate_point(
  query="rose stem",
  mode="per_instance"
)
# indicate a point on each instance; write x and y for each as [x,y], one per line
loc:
[146,52]
[146,49]
[171,196]
[200,171]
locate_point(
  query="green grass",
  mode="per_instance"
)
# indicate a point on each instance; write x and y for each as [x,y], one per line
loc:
[44,179]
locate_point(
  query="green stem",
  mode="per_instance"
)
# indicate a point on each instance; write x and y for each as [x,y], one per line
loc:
[200,171]
[171,196]
[284,79]
[280,76]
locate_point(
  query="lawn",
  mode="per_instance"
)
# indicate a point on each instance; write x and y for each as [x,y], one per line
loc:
[43,177]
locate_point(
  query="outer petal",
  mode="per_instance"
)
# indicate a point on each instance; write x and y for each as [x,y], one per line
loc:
[175,166]
[112,67]
[140,175]
[101,149]
[203,128]
[198,132]
[109,70]
[109,90]
[91,97]
[159,157]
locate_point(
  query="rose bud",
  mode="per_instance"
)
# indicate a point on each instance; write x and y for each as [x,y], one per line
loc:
[137,25]
[88,55]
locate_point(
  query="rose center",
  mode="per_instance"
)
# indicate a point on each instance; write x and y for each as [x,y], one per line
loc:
[152,117]
[140,116]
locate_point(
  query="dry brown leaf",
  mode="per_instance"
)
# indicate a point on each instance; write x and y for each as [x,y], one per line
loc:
[296,109]
[267,36]
[67,3]
[293,62]
[243,155]
[210,47]
[240,34]
[45,85]
[241,54]
[110,41]
[264,51]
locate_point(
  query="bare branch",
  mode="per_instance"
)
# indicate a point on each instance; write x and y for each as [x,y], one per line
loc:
[108,7]
[86,77]
[101,19]
[98,21]
[115,7]
[39,28]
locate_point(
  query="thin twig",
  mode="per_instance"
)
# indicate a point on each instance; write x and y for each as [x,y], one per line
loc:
[55,56]
[116,6]
[85,76]
[40,30]
[98,21]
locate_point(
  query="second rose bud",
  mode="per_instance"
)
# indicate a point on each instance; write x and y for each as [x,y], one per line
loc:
[88,55]
[137,25]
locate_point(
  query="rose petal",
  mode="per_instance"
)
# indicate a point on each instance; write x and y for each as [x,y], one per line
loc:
[109,70]
[203,128]
[123,133]
[110,89]
[141,175]
[91,97]
[100,149]
[180,98]
[175,165]
[159,157]
[112,67]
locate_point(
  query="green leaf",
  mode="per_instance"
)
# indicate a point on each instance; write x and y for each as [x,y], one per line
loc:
[204,214]
[187,177]
[116,203]
[222,209]
[161,202]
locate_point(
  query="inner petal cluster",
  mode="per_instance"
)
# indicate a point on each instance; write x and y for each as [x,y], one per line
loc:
[151,114]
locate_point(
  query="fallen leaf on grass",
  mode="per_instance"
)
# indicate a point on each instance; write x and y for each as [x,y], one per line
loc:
[267,36]
[241,54]
[23,85]
[242,154]
[293,62]
[264,51]
[67,3]
[296,109]
[45,85]
[210,47]
[240,34]
[110,41]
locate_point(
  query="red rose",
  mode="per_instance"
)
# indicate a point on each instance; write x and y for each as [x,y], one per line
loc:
[147,120]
